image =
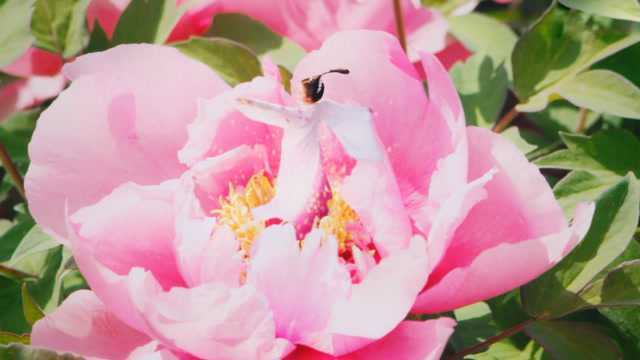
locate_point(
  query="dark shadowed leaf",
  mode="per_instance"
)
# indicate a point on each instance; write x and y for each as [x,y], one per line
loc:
[25,352]
[574,340]
[147,21]
[30,308]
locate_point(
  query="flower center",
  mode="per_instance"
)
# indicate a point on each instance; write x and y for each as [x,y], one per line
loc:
[236,209]
[340,221]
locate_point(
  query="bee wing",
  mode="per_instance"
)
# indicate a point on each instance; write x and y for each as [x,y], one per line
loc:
[353,126]
[269,113]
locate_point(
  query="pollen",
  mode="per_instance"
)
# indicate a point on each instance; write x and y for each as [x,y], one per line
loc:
[236,209]
[338,220]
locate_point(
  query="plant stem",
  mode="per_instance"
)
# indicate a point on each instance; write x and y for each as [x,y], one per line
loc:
[12,171]
[582,123]
[506,120]
[400,29]
[494,339]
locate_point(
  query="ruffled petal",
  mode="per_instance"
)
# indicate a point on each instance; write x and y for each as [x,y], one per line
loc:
[411,340]
[107,127]
[213,321]
[83,325]
[519,214]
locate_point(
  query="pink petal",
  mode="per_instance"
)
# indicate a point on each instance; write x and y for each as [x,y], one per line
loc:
[519,227]
[215,322]
[416,133]
[219,127]
[301,286]
[388,290]
[114,131]
[453,53]
[133,227]
[196,20]
[106,12]
[23,94]
[408,341]
[123,242]
[83,325]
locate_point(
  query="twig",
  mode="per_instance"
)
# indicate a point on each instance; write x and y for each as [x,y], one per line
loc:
[582,123]
[506,120]
[494,339]
[400,29]
[12,170]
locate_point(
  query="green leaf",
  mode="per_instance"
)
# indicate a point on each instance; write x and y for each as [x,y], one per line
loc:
[31,310]
[475,324]
[560,116]
[574,340]
[620,287]
[617,9]
[557,292]
[11,338]
[482,85]
[603,91]
[35,242]
[15,29]
[257,37]
[560,46]
[60,26]
[147,21]
[99,40]
[233,61]
[12,317]
[579,186]
[447,7]
[10,240]
[610,152]
[484,34]
[24,352]
[624,63]
[627,321]
[504,350]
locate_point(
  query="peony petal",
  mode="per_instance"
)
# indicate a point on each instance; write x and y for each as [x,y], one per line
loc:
[35,62]
[301,286]
[411,340]
[133,227]
[520,212]
[83,325]
[220,127]
[388,290]
[215,322]
[107,127]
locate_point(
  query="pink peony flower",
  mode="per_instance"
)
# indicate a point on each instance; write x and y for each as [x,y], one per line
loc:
[249,232]
[39,79]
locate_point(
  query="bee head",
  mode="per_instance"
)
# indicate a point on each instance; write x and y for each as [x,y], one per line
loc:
[314,88]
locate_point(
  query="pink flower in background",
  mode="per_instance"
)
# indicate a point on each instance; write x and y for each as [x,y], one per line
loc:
[39,79]
[205,232]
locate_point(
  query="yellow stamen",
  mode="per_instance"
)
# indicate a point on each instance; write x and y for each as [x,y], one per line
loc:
[236,209]
[340,216]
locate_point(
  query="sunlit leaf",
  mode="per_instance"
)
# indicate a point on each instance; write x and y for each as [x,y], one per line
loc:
[60,26]
[619,9]
[15,29]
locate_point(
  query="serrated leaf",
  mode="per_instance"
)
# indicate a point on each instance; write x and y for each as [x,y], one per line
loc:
[603,91]
[557,292]
[60,26]
[147,21]
[257,37]
[234,62]
[607,153]
[617,9]
[30,308]
[482,85]
[574,340]
[24,352]
[15,29]
[560,46]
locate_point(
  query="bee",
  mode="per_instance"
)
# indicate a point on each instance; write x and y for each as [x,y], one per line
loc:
[314,88]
